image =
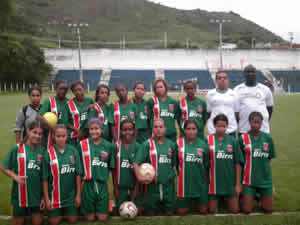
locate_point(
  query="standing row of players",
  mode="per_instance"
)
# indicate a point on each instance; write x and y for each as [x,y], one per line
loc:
[190,154]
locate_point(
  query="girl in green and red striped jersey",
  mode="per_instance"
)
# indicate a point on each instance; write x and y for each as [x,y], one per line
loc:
[23,164]
[125,184]
[61,178]
[258,149]
[225,167]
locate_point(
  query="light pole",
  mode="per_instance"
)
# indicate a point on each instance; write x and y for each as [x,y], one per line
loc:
[78,26]
[220,22]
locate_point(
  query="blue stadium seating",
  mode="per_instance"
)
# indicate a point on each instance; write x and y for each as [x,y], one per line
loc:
[130,77]
[236,77]
[91,77]
[288,78]
[174,78]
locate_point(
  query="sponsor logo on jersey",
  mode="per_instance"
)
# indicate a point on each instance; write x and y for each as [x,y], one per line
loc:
[84,116]
[72,159]
[97,162]
[66,169]
[40,158]
[170,152]
[132,115]
[193,158]
[171,107]
[223,155]
[32,165]
[266,146]
[229,147]
[126,164]
[194,114]
[104,155]
[143,116]
[200,151]
[164,159]
[200,108]
[260,154]
[165,113]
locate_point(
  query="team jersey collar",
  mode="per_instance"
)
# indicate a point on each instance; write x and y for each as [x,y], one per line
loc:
[222,92]
[251,86]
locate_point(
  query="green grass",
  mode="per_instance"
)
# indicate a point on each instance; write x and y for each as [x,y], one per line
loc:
[286,168]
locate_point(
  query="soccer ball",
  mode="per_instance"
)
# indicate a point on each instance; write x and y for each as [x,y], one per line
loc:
[147,171]
[51,118]
[128,210]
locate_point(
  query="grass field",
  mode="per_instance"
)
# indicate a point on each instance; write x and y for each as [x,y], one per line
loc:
[285,126]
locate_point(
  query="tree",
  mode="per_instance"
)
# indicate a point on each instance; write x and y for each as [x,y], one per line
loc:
[6,9]
[22,60]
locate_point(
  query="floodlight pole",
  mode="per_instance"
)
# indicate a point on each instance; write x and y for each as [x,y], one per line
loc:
[220,22]
[78,26]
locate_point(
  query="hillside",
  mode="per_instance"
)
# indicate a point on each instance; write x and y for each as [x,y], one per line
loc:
[111,20]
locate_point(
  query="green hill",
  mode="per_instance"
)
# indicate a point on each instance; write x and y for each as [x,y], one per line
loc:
[136,20]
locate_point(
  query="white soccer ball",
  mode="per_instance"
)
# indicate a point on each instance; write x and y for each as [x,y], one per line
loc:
[147,172]
[128,210]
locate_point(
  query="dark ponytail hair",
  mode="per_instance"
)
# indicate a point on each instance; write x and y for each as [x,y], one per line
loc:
[255,114]
[220,117]
[98,90]
[31,126]
[188,122]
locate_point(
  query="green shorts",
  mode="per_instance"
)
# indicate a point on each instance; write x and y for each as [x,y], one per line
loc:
[65,211]
[126,194]
[250,190]
[218,197]
[160,196]
[18,211]
[95,198]
[183,203]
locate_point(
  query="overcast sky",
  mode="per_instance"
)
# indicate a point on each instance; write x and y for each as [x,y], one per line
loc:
[280,17]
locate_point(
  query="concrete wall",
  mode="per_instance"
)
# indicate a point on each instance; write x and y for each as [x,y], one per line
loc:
[172,59]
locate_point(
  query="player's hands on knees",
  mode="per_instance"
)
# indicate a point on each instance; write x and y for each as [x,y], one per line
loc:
[238,189]
[20,179]
[42,204]
[48,204]
[77,201]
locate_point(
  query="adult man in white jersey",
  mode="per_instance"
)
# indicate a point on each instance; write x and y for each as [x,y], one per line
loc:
[254,96]
[222,100]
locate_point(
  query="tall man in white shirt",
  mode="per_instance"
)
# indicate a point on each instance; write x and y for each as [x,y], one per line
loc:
[254,96]
[222,100]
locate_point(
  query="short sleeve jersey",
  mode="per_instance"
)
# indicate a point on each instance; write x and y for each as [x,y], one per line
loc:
[62,110]
[256,98]
[192,166]
[196,111]
[33,173]
[257,153]
[222,102]
[165,158]
[224,156]
[105,112]
[169,112]
[124,169]
[69,167]
[102,159]
[83,114]
[142,121]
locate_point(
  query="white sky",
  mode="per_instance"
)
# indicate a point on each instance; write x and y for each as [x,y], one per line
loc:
[278,16]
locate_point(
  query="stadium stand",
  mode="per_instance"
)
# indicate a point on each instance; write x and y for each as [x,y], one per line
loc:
[175,78]
[91,77]
[289,79]
[236,77]
[130,77]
